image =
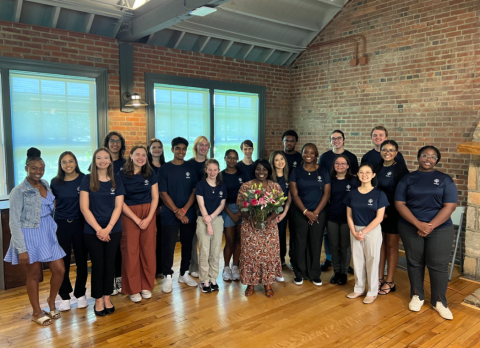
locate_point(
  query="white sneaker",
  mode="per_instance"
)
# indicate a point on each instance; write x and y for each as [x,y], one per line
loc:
[194,274]
[415,304]
[235,273]
[167,284]
[135,297]
[227,274]
[279,279]
[444,312]
[82,302]
[64,305]
[146,293]
[118,284]
[187,280]
[115,291]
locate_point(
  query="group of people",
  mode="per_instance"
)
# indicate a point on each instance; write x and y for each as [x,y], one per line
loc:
[128,212]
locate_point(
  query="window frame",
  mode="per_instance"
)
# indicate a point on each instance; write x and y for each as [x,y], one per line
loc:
[6,64]
[152,78]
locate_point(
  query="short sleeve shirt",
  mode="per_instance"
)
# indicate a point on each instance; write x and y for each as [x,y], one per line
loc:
[247,170]
[327,158]
[233,183]
[374,158]
[293,160]
[337,210]
[310,185]
[212,196]
[365,206]
[138,188]
[67,198]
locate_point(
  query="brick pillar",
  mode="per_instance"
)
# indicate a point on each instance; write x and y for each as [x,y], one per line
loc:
[472,235]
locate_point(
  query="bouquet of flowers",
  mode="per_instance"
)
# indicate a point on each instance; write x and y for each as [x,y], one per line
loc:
[260,204]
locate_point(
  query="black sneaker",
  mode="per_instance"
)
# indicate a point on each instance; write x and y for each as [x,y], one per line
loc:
[317,282]
[326,265]
[205,288]
[214,287]
[335,278]
[342,279]
[350,270]
[298,280]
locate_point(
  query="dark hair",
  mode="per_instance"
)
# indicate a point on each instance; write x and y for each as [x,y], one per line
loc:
[290,133]
[389,142]
[272,163]
[230,150]
[149,155]
[338,131]
[333,172]
[33,154]
[219,178]
[60,178]
[379,128]
[264,163]
[179,140]
[122,139]
[374,180]
[94,182]
[247,143]
[314,148]
[431,147]
[129,168]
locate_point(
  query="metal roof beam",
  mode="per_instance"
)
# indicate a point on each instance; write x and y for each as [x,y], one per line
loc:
[266,54]
[179,40]
[86,6]
[89,22]
[55,15]
[224,47]
[117,26]
[155,16]
[286,59]
[17,10]
[246,49]
[202,43]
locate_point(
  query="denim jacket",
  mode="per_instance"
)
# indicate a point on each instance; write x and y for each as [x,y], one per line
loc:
[25,210]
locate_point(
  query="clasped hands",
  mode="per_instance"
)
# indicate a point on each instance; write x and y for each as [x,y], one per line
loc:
[104,234]
[424,229]
[312,217]
[208,221]
[180,215]
[143,223]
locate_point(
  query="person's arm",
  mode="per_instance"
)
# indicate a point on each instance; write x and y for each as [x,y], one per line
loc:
[153,208]
[375,222]
[285,209]
[403,210]
[351,226]
[130,214]
[443,214]
[325,197]
[201,206]
[113,220]
[298,202]
[18,240]
[87,214]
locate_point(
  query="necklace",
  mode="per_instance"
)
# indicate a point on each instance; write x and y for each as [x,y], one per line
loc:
[389,164]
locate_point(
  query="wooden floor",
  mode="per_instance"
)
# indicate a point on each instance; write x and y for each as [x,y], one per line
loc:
[297,316]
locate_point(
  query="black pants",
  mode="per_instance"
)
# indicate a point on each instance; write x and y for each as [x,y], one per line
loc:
[159,245]
[282,235]
[70,234]
[339,236]
[432,251]
[169,239]
[307,247]
[118,263]
[291,230]
[102,255]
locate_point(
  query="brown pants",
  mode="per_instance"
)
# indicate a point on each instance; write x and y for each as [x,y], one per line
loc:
[138,252]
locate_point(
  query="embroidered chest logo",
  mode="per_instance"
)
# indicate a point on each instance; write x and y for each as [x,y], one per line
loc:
[286,184]
[436,182]
[240,180]
[319,178]
[295,164]
[389,175]
[121,168]
[78,189]
[187,175]
[146,182]
[348,188]
[370,201]
[112,191]
[220,194]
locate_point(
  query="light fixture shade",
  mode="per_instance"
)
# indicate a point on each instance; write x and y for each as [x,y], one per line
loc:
[135,101]
[203,11]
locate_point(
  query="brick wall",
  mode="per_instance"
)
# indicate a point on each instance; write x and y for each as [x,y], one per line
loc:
[422,81]
[53,45]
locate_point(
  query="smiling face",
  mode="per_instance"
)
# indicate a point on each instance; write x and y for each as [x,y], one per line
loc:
[341,165]
[102,160]
[35,170]
[337,141]
[156,149]
[212,171]
[68,164]
[378,137]
[114,144]
[247,151]
[388,152]
[231,159]
[365,174]
[203,147]
[179,151]
[139,157]
[309,155]
[279,161]
[289,143]
[261,173]
[427,160]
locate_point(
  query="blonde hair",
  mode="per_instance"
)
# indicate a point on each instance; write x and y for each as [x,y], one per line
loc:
[196,142]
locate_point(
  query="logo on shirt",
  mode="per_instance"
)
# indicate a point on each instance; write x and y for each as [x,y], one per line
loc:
[348,188]
[78,189]
[240,180]
[286,184]
[319,178]
[121,168]
[295,164]
[112,191]
[187,175]
[436,182]
[370,201]
[220,194]
[146,182]
[389,174]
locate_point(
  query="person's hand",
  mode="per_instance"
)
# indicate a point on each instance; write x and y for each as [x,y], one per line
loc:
[270,219]
[422,234]
[158,211]
[236,217]
[23,258]
[359,235]
[425,227]
[252,222]
[104,235]
[179,214]
[207,219]
[210,229]
[312,217]
[144,223]
[281,217]
[385,216]
[184,220]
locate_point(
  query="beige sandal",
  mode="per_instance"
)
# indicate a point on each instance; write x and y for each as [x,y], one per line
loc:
[53,314]
[43,321]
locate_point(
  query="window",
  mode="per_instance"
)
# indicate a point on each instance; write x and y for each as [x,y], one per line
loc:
[54,107]
[226,113]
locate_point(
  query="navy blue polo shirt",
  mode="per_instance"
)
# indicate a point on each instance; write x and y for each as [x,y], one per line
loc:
[212,196]
[365,206]
[374,158]
[233,183]
[310,185]
[337,210]
[138,189]
[155,169]
[284,185]
[67,198]
[386,182]
[178,181]
[102,202]
[199,168]
[327,158]
[118,164]
[247,170]
[293,160]
[425,193]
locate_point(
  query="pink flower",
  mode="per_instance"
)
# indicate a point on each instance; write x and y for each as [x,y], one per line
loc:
[261,201]
[245,204]
[254,202]
[257,192]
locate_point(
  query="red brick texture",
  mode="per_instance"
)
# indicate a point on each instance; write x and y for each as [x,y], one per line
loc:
[422,81]
[53,45]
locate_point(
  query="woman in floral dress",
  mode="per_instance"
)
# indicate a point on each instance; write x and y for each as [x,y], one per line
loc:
[260,249]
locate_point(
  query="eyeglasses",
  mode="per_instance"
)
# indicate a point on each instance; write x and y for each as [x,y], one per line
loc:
[341,164]
[389,150]
[335,139]
[289,141]
[113,141]
[425,156]
[67,162]
[231,158]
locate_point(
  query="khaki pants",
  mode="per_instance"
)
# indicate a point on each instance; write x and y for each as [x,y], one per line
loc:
[210,249]
[366,257]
